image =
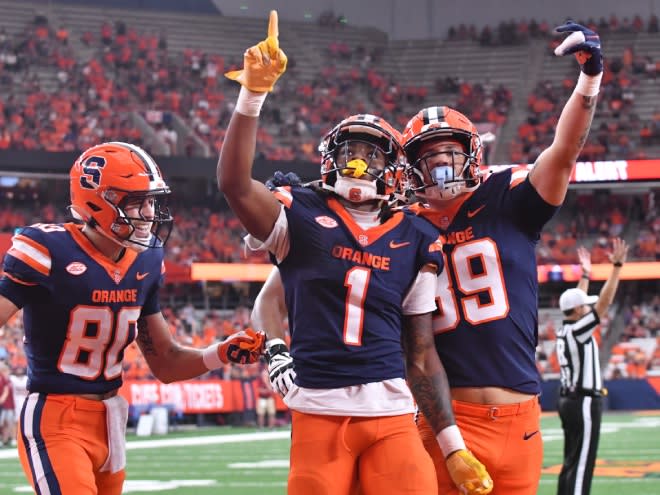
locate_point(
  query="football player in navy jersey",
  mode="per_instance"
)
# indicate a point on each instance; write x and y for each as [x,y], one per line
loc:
[356,285]
[486,322]
[87,290]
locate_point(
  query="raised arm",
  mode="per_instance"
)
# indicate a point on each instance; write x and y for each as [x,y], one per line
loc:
[253,204]
[585,263]
[552,171]
[618,258]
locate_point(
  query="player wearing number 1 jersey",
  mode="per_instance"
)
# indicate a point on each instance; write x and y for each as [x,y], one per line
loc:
[357,284]
[486,324]
[87,290]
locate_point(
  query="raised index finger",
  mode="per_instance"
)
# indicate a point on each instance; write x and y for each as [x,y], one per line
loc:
[273,30]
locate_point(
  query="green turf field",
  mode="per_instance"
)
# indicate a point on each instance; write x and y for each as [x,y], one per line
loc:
[235,461]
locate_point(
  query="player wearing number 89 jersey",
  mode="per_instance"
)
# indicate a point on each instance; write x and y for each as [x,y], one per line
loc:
[486,323]
[87,290]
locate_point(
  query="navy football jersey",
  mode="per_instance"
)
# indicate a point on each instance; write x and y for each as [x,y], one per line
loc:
[80,309]
[344,289]
[487,297]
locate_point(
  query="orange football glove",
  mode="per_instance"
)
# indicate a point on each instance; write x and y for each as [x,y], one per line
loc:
[263,63]
[468,474]
[244,347]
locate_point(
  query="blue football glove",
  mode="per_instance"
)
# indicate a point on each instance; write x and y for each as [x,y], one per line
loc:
[585,44]
[280,366]
[280,179]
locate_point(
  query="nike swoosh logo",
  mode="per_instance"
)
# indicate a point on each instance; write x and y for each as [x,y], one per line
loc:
[472,213]
[397,245]
[140,276]
[527,436]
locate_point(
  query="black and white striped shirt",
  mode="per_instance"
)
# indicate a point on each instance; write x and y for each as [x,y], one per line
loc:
[577,351]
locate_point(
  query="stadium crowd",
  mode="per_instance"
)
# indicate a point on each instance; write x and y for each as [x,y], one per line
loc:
[133,69]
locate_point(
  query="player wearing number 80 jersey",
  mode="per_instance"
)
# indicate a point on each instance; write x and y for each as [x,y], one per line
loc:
[90,306]
[86,291]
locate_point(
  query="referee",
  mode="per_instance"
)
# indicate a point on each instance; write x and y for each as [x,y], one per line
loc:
[580,401]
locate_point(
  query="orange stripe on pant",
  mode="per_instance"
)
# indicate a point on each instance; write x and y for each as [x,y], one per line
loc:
[62,444]
[330,453]
[505,438]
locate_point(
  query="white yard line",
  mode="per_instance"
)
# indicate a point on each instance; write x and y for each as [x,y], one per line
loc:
[202,440]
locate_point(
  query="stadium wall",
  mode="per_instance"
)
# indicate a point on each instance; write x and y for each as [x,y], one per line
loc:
[183,167]
[401,19]
[225,396]
[422,19]
[628,394]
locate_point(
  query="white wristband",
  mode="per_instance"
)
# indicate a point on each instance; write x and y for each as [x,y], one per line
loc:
[588,85]
[450,440]
[211,358]
[249,103]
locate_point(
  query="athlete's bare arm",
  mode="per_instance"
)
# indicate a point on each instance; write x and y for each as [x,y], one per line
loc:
[168,360]
[7,310]
[269,309]
[551,173]
[254,205]
[425,374]
[554,165]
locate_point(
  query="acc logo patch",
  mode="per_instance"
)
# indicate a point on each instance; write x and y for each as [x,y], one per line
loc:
[327,222]
[76,268]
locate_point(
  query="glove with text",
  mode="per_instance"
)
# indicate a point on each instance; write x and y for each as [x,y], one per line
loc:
[244,347]
[468,474]
[280,366]
[585,44]
[263,63]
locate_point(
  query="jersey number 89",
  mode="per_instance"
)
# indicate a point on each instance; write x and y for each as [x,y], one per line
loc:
[490,279]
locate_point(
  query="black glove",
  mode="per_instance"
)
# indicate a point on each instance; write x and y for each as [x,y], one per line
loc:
[280,366]
[280,179]
[585,44]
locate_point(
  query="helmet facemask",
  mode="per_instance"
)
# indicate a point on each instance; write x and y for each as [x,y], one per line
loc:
[361,167]
[140,232]
[442,175]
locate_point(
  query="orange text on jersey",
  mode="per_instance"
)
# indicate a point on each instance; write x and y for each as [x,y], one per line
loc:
[114,296]
[458,237]
[361,258]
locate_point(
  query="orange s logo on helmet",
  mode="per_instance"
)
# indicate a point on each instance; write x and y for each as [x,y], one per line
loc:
[374,131]
[443,123]
[108,177]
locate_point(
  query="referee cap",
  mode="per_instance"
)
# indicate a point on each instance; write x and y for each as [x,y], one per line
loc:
[572,298]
